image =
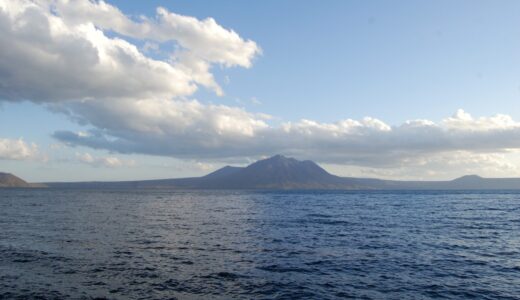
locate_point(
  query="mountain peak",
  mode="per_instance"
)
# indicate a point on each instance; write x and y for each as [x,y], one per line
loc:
[276,161]
[281,172]
[279,157]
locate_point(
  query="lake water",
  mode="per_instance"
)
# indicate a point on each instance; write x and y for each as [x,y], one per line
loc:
[259,245]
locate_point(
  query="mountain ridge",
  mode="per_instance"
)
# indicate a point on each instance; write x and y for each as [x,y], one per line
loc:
[283,173]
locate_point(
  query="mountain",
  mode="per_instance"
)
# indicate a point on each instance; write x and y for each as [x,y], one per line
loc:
[10,181]
[277,172]
[280,172]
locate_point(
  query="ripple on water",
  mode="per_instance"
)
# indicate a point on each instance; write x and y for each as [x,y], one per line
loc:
[57,244]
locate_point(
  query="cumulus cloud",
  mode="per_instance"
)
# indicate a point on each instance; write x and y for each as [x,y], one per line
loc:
[222,132]
[18,150]
[108,161]
[57,51]
[161,127]
[204,39]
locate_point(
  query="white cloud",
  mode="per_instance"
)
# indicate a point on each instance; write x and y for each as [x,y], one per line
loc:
[57,51]
[162,121]
[462,120]
[371,142]
[108,161]
[18,150]
[192,130]
[205,39]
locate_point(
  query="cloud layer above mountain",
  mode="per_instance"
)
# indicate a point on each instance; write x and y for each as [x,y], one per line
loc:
[367,142]
[86,59]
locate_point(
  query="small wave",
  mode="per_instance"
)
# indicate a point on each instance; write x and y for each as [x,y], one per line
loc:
[225,276]
[318,216]
[280,269]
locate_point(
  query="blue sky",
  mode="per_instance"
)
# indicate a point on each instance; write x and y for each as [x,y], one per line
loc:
[322,62]
[367,58]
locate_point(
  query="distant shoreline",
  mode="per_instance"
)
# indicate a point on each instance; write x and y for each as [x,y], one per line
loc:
[278,173]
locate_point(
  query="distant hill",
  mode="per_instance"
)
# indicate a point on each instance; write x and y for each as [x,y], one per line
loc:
[10,181]
[280,172]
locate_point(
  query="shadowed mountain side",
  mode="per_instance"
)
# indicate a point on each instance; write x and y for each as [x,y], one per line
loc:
[225,171]
[10,181]
[279,172]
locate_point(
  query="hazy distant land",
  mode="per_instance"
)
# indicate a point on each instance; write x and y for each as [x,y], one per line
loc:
[279,173]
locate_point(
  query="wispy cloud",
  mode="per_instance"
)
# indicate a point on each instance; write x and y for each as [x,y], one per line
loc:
[104,161]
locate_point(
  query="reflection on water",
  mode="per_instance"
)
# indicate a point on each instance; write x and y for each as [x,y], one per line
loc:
[207,244]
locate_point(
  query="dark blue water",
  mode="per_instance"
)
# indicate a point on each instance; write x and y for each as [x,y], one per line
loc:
[223,245]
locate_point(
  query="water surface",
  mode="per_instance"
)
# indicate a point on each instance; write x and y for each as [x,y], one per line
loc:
[259,245]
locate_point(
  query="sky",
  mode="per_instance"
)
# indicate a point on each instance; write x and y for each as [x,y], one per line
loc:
[121,90]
